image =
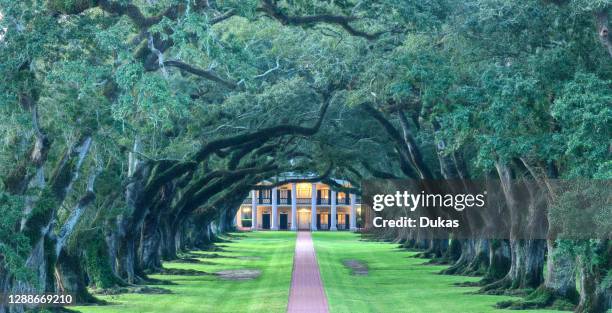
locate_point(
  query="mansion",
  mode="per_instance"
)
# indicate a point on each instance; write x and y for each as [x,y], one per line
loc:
[299,206]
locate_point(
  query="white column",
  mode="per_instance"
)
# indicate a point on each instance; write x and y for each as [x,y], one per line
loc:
[353,217]
[254,210]
[313,208]
[293,207]
[274,210]
[333,211]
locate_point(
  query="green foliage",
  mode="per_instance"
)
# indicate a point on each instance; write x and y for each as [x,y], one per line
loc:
[244,7]
[14,246]
[589,5]
[583,109]
[40,216]
[70,6]
[96,261]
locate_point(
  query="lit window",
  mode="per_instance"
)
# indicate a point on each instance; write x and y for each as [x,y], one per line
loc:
[303,190]
[246,213]
[324,194]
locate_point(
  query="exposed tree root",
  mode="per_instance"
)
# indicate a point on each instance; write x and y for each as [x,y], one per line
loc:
[474,268]
[504,286]
[540,298]
[154,281]
[438,261]
[469,284]
[456,269]
[480,283]
[498,287]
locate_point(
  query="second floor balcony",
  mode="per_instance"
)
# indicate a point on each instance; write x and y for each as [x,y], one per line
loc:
[340,200]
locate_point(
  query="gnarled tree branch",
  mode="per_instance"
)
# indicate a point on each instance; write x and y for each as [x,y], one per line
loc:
[272,10]
[210,75]
[263,134]
[134,13]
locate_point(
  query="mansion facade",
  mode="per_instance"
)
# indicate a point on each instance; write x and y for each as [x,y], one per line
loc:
[299,206]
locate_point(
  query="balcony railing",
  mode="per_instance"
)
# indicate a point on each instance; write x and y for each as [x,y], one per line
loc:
[287,201]
[303,200]
[265,201]
[284,201]
[346,200]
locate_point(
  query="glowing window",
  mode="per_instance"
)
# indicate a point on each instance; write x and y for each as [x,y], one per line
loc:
[303,190]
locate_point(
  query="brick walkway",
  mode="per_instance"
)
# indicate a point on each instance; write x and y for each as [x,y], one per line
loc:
[307,294]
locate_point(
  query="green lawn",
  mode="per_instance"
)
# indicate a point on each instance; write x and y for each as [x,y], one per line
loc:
[268,293]
[395,282]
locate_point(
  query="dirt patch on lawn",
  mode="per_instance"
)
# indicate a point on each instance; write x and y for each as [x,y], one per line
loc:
[138,289]
[357,267]
[239,274]
[181,272]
